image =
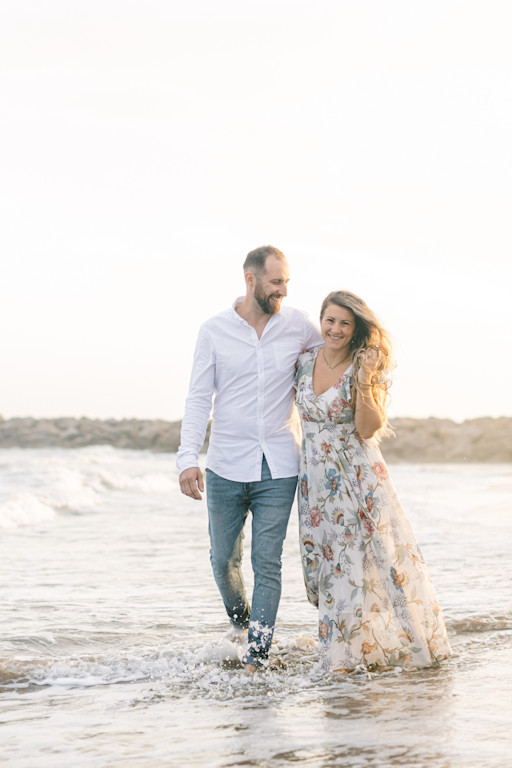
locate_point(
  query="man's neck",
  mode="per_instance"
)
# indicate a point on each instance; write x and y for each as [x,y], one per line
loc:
[253,315]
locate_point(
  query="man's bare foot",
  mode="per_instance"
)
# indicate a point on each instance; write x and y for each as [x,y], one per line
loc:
[249,669]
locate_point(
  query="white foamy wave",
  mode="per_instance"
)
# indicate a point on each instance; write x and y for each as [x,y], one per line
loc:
[89,672]
[58,489]
[69,490]
[23,508]
[484,622]
[148,483]
[81,673]
[212,669]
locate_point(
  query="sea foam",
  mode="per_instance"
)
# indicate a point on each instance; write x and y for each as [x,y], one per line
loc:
[23,509]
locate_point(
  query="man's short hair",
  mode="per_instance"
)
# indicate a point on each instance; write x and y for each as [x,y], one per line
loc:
[255,260]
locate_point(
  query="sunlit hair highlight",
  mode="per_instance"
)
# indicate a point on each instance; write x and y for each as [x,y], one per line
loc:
[368,334]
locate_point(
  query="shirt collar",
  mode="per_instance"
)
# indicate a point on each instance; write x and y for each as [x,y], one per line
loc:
[240,319]
[234,313]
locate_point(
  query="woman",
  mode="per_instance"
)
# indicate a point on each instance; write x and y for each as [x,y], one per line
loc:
[362,565]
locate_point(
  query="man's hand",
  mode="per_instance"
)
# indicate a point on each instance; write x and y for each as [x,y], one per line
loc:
[191,482]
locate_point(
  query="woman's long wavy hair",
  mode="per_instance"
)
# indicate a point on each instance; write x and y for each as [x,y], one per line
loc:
[368,334]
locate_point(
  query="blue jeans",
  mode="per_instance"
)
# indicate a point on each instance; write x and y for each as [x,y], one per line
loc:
[229,503]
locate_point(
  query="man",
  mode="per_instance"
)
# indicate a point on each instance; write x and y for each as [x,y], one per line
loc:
[246,357]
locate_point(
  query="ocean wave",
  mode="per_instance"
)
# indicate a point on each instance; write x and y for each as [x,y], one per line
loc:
[76,482]
[59,491]
[72,673]
[24,508]
[69,491]
[155,482]
[90,672]
[483,622]
[206,669]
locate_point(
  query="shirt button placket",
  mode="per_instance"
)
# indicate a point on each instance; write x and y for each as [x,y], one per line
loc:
[261,393]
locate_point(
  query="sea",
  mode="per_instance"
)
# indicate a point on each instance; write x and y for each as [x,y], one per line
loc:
[112,647]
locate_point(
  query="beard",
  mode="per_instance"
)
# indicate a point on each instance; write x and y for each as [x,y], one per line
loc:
[264,301]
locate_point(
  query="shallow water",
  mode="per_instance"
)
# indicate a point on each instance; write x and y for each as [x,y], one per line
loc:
[111,650]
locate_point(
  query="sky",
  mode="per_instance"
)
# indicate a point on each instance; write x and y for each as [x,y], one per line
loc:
[147,146]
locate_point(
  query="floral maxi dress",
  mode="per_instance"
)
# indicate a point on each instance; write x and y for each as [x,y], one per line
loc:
[362,565]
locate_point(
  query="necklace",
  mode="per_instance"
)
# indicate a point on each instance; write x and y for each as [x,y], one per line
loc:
[332,367]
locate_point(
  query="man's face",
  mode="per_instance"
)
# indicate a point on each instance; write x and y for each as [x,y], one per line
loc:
[271,286]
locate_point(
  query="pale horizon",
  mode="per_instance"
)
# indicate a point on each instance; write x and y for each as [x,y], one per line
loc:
[147,149]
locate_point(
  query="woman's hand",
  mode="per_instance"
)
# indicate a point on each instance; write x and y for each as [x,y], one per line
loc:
[368,414]
[369,363]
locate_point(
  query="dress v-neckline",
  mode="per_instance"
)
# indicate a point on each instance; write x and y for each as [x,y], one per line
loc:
[332,385]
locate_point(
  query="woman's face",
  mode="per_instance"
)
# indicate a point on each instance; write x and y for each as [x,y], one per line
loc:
[338,327]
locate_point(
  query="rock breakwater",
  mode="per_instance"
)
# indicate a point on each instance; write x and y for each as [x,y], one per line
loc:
[416,440]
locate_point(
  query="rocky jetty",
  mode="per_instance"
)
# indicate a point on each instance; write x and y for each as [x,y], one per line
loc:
[439,440]
[139,434]
[416,440]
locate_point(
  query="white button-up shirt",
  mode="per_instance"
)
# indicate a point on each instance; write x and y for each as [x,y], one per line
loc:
[252,380]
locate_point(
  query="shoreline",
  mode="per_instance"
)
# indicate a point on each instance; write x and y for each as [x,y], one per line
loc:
[432,440]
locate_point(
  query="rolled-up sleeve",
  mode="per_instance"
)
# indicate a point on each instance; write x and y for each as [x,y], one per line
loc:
[198,405]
